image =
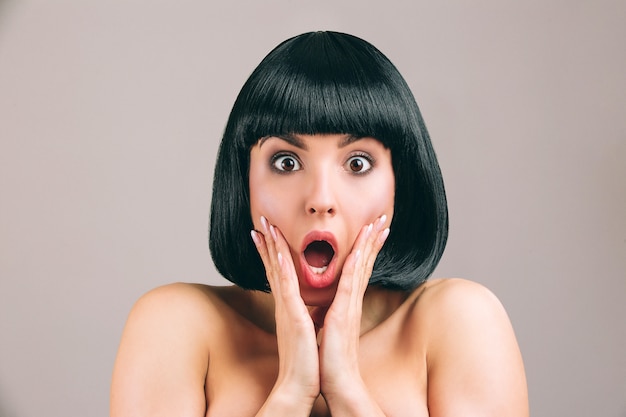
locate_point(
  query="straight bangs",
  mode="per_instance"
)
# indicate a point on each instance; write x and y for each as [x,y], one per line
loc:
[322,84]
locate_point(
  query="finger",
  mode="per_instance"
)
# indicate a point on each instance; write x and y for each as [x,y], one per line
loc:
[352,283]
[272,257]
[372,245]
[359,264]
[288,274]
[372,241]
[260,242]
[270,241]
[280,270]
[265,243]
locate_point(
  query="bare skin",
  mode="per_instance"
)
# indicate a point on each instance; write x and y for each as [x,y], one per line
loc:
[323,341]
[446,349]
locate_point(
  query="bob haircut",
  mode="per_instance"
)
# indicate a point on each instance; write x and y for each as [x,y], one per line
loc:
[325,83]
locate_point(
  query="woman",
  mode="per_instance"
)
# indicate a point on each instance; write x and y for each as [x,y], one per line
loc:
[329,214]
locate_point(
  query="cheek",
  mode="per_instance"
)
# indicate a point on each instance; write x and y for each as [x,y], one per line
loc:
[388,197]
[387,191]
[266,199]
[365,205]
[262,204]
[258,198]
[381,203]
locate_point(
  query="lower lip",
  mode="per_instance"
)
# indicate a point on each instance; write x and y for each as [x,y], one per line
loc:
[323,280]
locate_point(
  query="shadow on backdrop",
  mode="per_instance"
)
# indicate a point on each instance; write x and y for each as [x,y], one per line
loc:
[5,7]
[5,410]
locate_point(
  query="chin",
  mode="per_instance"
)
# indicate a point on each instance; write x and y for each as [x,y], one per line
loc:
[318,297]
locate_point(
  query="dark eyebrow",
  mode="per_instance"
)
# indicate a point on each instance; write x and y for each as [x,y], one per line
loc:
[348,139]
[291,139]
[299,143]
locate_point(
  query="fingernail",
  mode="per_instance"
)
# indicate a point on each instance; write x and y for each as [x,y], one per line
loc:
[273,232]
[255,237]
[381,221]
[280,259]
[369,229]
[383,236]
[264,223]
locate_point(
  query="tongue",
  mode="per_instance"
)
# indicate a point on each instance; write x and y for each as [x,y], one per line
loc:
[318,254]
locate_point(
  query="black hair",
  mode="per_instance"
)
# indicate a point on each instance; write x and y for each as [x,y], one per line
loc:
[329,82]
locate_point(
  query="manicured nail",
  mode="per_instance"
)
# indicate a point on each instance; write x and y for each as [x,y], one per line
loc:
[383,236]
[273,232]
[369,230]
[381,221]
[264,223]
[255,237]
[280,259]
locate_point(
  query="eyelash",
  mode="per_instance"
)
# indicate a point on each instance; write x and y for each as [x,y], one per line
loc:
[276,157]
[365,156]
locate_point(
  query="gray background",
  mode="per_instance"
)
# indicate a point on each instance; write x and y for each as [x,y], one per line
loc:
[111,113]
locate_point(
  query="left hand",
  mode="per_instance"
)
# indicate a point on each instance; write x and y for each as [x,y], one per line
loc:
[339,338]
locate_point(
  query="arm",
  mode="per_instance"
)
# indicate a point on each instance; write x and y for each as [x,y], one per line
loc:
[474,364]
[162,360]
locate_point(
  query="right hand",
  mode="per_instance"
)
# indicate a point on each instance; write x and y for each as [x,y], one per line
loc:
[298,376]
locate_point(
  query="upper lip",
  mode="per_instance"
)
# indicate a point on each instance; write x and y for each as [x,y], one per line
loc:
[316,235]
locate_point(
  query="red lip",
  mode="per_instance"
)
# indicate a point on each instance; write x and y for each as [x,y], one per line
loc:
[311,278]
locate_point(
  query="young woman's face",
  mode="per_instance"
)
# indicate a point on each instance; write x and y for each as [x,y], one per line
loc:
[320,190]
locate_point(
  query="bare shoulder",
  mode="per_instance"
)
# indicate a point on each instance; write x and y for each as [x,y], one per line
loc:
[164,352]
[474,362]
[440,305]
[442,298]
[175,311]
[176,303]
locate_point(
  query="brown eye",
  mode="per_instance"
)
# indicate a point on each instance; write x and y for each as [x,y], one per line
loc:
[285,163]
[359,164]
[356,165]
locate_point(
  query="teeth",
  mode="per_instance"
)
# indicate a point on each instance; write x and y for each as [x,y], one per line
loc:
[320,270]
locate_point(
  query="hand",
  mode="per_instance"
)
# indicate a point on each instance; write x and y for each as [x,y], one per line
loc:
[339,345]
[304,369]
[298,375]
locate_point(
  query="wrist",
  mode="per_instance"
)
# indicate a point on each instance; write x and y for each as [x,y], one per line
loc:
[353,399]
[287,401]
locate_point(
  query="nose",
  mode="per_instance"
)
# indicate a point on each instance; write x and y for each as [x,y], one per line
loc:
[320,198]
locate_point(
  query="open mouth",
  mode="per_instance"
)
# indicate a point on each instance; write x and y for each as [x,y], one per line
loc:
[318,255]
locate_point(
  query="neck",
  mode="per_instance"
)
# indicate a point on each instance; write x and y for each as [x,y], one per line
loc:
[378,304]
